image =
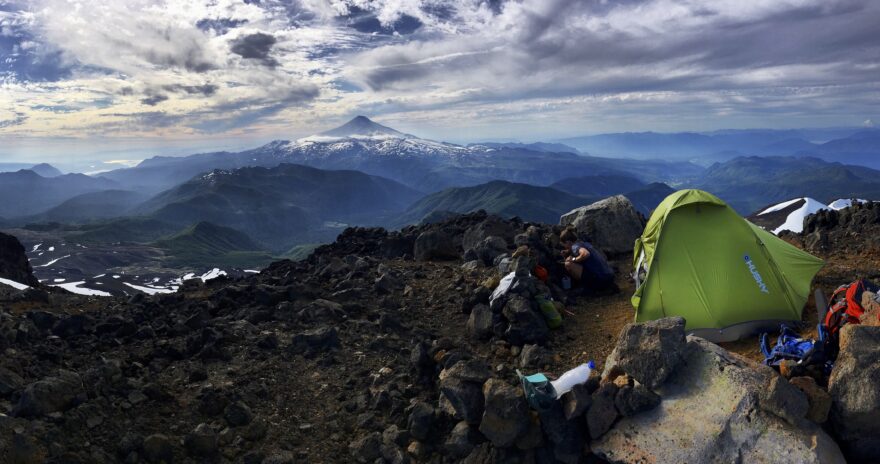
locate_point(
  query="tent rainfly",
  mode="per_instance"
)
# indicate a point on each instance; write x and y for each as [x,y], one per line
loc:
[728,278]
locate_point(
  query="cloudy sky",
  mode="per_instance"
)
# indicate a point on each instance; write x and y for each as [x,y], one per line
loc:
[126,79]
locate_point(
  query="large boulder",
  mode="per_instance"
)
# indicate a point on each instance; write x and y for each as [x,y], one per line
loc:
[613,224]
[649,352]
[855,408]
[719,407]
[14,263]
[52,394]
[506,416]
[435,245]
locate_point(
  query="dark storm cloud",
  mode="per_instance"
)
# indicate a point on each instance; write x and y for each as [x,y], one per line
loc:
[256,47]
[574,47]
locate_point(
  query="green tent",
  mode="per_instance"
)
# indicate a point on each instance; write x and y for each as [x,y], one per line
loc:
[729,278]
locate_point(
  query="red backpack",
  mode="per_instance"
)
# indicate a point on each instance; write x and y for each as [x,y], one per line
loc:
[845,307]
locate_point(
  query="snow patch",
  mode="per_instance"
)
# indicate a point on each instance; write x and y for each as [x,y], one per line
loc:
[51,248]
[53,261]
[780,206]
[74,287]
[842,203]
[36,247]
[14,284]
[795,220]
[151,290]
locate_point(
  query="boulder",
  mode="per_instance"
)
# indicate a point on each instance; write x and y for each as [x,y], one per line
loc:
[576,402]
[649,352]
[420,421]
[52,394]
[715,409]
[435,245]
[612,224]
[855,408]
[367,448]
[526,325]
[461,440]
[315,341]
[492,226]
[487,250]
[14,264]
[602,412]
[157,449]
[633,399]
[201,442]
[479,324]
[818,398]
[506,415]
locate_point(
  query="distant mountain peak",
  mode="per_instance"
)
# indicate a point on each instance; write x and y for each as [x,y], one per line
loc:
[364,127]
[46,170]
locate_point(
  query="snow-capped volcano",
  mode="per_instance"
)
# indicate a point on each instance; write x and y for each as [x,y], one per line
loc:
[364,127]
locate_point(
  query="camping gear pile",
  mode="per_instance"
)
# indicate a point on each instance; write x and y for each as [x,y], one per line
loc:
[847,306]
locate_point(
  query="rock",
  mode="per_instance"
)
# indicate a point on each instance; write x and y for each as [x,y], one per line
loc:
[157,449]
[526,325]
[420,421]
[784,400]
[713,411]
[237,414]
[602,412]
[612,224]
[506,415]
[315,341]
[533,356]
[490,248]
[566,436]
[435,245]
[492,226]
[367,448]
[479,324]
[871,304]
[9,381]
[576,402]
[201,442]
[633,399]
[818,398]
[461,440]
[49,395]
[471,370]
[649,352]
[394,435]
[465,398]
[77,324]
[855,409]
[14,264]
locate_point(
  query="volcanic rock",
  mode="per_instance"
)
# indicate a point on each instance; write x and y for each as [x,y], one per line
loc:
[649,352]
[506,416]
[855,411]
[715,403]
[612,224]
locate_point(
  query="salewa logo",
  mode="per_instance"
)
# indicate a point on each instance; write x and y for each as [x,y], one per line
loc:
[756,274]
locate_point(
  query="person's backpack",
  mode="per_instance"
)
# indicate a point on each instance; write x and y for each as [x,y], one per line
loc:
[790,346]
[846,306]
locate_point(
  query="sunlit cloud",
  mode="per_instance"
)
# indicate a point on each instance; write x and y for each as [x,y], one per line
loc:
[195,71]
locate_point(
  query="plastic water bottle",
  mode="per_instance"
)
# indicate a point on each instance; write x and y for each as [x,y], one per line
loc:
[573,377]
[566,283]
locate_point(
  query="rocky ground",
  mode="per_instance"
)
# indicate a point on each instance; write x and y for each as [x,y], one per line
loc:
[385,347]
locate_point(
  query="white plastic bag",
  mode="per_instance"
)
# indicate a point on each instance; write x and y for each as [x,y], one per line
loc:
[503,287]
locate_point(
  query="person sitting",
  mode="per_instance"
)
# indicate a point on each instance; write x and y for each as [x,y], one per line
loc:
[585,264]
